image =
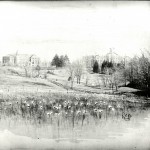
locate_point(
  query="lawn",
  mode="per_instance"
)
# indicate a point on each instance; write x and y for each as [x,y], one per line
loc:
[12,82]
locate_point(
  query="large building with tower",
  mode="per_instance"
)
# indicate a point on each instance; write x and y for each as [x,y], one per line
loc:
[110,56]
[113,57]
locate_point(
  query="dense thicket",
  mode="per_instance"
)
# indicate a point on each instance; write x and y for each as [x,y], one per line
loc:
[138,72]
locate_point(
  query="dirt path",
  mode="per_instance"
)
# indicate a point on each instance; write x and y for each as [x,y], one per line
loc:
[82,90]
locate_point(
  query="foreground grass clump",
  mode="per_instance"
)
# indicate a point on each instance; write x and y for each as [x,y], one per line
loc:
[77,109]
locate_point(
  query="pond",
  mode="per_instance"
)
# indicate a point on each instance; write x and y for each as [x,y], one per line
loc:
[107,125]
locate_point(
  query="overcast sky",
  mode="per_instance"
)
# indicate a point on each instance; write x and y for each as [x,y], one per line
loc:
[74,28]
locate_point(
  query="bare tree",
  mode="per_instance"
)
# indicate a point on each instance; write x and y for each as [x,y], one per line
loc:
[71,73]
[104,81]
[26,68]
[98,81]
[78,70]
[86,79]
[38,68]
[75,70]
[144,71]
[117,77]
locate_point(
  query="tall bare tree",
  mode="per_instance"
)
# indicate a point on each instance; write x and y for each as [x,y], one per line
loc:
[71,73]
[78,70]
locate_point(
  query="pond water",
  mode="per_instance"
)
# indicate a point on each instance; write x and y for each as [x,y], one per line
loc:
[114,129]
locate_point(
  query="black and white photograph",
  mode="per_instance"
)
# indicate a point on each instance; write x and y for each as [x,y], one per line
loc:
[74,75]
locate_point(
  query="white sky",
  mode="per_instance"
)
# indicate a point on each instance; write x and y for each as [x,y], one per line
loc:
[74,28]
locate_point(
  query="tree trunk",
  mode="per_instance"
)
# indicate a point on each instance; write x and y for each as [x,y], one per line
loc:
[86,81]
[71,84]
[125,82]
[116,87]
[112,86]
[26,73]
[38,73]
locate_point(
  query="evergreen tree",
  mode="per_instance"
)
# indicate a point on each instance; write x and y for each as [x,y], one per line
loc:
[96,67]
[60,61]
[106,65]
[55,61]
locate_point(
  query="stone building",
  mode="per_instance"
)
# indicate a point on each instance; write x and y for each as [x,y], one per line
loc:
[113,57]
[21,60]
[8,60]
[34,61]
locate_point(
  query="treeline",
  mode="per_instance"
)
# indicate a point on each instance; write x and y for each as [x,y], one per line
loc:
[60,61]
[138,72]
[104,67]
[135,71]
